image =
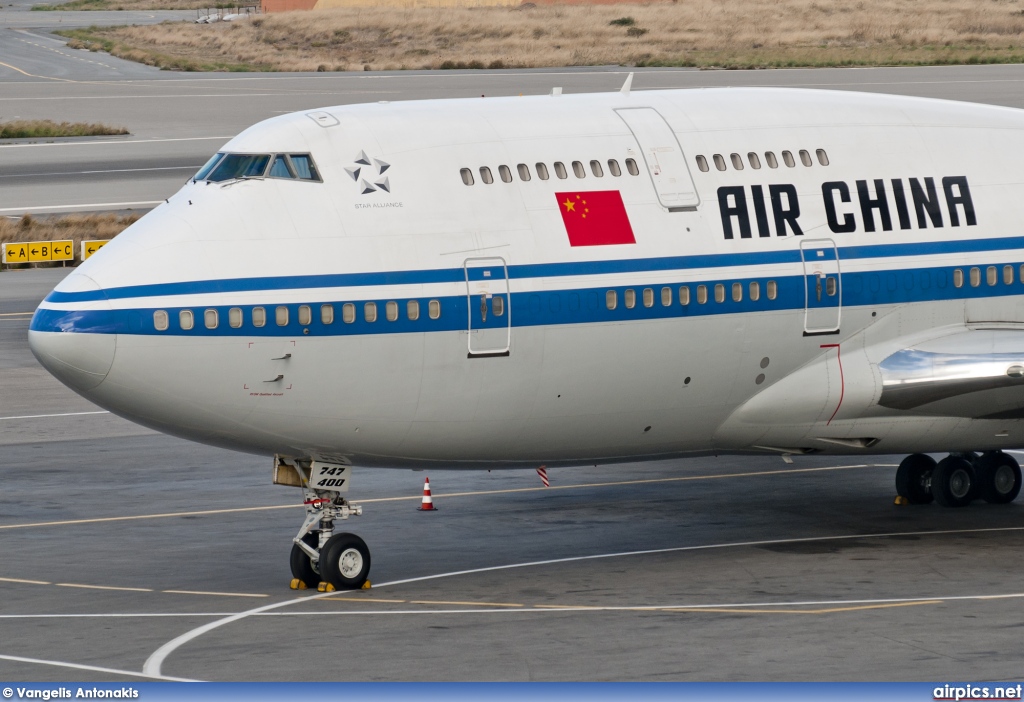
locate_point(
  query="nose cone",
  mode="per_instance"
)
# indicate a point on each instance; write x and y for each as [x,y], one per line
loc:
[72,333]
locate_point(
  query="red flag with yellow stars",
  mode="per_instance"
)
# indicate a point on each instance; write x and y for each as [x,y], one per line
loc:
[595,218]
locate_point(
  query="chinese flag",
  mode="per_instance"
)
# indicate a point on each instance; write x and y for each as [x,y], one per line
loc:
[595,218]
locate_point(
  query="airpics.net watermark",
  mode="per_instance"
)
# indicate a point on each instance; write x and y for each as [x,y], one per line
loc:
[969,693]
[67,693]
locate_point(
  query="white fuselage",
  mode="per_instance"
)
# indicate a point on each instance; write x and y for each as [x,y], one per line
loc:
[528,361]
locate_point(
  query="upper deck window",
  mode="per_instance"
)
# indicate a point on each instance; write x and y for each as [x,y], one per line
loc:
[234,166]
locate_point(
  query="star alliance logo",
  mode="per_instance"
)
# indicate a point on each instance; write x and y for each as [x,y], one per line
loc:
[369,173]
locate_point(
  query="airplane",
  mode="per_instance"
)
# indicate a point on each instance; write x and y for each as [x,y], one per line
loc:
[566,280]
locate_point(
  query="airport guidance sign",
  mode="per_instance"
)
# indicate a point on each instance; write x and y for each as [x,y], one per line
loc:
[38,251]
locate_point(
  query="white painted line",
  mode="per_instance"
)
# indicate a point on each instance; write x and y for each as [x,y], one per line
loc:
[215,594]
[105,205]
[108,142]
[105,587]
[154,663]
[94,668]
[62,414]
[23,581]
[113,170]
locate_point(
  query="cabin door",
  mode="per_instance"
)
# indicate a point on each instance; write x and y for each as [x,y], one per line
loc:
[663,158]
[823,288]
[490,314]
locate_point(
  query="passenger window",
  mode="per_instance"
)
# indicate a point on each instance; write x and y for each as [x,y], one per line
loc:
[281,316]
[773,290]
[434,309]
[755,291]
[506,174]
[160,319]
[235,317]
[210,319]
[684,295]
[648,297]
[631,167]
[185,319]
[805,158]
[303,166]
[702,294]
[822,157]
[755,162]
[1007,275]
[579,170]
[542,171]
[391,311]
[412,310]
[666,297]
[702,164]
[280,168]
[611,299]
[498,305]
[719,292]
[769,158]
[239,166]
[737,161]
[830,286]
[719,162]
[991,275]
[595,168]
[1022,273]
[305,315]
[630,298]
[737,292]
[975,277]
[467,176]
[485,175]
[560,170]
[259,316]
[327,314]
[370,311]
[788,158]
[613,167]
[524,171]
[958,278]
[348,313]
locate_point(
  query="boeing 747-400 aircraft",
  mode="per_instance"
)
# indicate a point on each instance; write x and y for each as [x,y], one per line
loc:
[569,280]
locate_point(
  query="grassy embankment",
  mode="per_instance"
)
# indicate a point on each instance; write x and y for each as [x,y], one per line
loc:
[44,128]
[704,33]
[62,227]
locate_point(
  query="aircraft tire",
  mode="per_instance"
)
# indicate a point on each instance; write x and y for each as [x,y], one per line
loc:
[303,567]
[345,562]
[954,483]
[999,477]
[912,479]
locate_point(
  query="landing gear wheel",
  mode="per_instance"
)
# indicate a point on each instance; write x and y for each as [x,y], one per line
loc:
[345,562]
[303,566]
[953,482]
[913,479]
[999,478]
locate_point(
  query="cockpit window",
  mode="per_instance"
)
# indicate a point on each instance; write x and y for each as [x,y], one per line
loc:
[280,169]
[303,164]
[205,170]
[239,166]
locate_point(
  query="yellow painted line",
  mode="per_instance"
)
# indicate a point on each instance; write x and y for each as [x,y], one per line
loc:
[359,599]
[217,594]
[26,582]
[540,606]
[16,314]
[105,587]
[417,498]
[465,604]
[32,75]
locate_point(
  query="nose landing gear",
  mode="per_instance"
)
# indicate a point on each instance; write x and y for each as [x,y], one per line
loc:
[959,478]
[319,556]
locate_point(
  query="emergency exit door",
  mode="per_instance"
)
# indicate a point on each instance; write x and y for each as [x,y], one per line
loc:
[490,314]
[663,158]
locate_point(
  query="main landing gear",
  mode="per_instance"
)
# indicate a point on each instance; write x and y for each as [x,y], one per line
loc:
[320,557]
[994,476]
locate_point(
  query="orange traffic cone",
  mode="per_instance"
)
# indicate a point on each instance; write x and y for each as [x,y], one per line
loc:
[428,503]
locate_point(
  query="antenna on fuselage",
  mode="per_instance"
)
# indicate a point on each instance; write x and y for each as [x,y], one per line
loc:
[627,85]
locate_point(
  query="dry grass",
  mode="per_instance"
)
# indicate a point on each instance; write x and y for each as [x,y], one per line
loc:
[707,33]
[28,128]
[63,227]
